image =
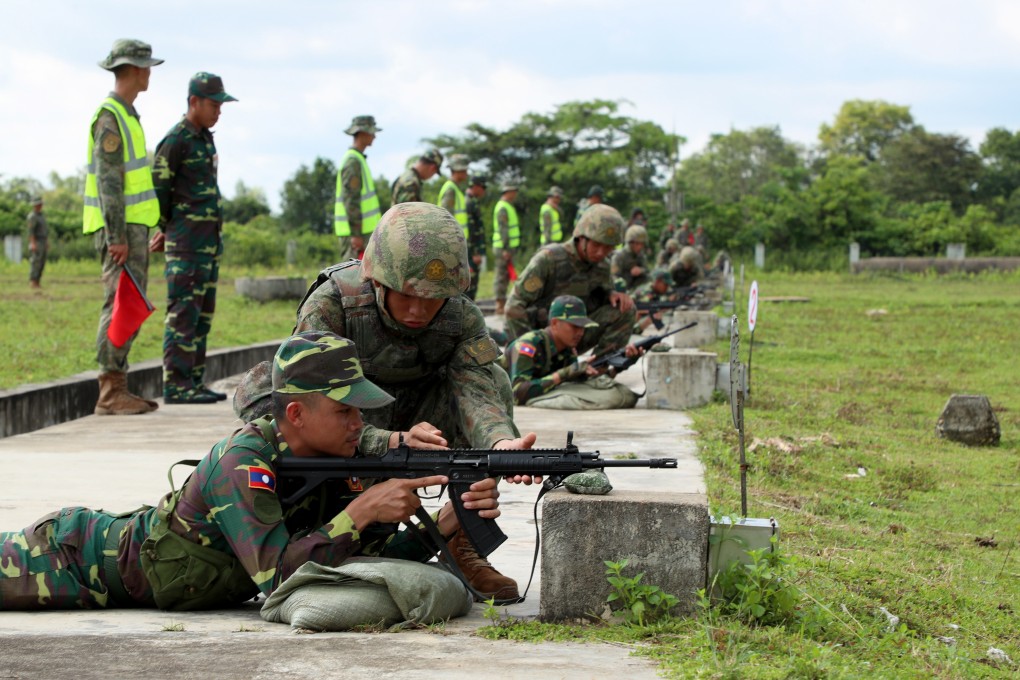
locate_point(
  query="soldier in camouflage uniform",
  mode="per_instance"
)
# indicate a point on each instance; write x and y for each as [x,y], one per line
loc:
[407,187]
[596,196]
[506,239]
[683,234]
[630,264]
[38,242]
[550,218]
[422,340]
[191,218]
[669,253]
[225,536]
[658,289]
[355,188]
[120,209]
[544,370]
[578,267]
[687,268]
[476,230]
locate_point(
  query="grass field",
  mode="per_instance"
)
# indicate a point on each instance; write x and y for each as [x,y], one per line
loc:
[855,378]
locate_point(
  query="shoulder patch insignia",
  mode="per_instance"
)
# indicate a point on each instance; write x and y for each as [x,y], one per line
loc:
[532,284]
[435,270]
[483,351]
[261,478]
[110,142]
[526,349]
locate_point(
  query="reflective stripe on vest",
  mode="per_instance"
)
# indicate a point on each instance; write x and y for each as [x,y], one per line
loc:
[140,203]
[556,233]
[459,204]
[514,230]
[370,212]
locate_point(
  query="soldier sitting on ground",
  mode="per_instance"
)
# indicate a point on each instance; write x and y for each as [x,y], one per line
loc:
[545,371]
[225,536]
[422,340]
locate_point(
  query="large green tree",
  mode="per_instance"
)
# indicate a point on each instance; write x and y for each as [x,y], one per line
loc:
[864,128]
[307,198]
[923,167]
[247,204]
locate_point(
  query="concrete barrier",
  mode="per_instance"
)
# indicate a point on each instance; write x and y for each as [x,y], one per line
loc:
[940,265]
[663,534]
[679,379]
[32,407]
[701,335]
[271,288]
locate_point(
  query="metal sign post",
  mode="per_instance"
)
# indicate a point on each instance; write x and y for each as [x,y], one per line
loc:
[752,321]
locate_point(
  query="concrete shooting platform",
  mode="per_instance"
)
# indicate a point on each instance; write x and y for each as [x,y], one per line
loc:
[120,463]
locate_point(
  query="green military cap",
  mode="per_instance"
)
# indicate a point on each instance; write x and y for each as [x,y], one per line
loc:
[479,180]
[660,274]
[324,363]
[572,310]
[433,156]
[458,161]
[596,190]
[127,51]
[509,186]
[555,191]
[209,86]
[363,124]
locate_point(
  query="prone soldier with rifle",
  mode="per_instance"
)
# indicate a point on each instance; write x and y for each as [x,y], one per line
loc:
[659,295]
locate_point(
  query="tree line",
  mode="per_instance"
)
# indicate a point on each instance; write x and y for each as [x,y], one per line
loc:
[875,176]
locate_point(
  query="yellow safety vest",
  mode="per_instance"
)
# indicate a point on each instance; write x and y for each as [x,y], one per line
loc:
[140,203]
[459,204]
[514,227]
[370,212]
[557,229]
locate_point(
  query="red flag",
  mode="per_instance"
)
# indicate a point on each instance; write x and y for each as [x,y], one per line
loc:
[130,309]
[511,271]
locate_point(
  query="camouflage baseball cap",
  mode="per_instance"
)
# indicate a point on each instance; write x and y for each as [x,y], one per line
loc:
[596,190]
[128,51]
[458,162]
[208,86]
[418,249]
[601,223]
[660,274]
[433,156]
[363,124]
[572,310]
[555,191]
[323,362]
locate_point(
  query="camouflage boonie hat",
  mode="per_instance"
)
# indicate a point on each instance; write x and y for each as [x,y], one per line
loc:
[433,156]
[572,310]
[458,162]
[555,191]
[596,190]
[601,223]
[323,362]
[509,186]
[208,86]
[479,180]
[363,124]
[128,51]
[418,249]
[636,232]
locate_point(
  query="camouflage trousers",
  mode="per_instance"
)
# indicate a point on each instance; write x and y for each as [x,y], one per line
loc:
[110,358]
[501,268]
[56,563]
[598,393]
[191,302]
[347,251]
[37,261]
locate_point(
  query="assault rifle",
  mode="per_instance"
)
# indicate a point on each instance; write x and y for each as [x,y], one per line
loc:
[681,296]
[463,467]
[618,359]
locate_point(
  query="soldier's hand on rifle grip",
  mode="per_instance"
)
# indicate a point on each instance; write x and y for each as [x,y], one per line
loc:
[521,443]
[394,500]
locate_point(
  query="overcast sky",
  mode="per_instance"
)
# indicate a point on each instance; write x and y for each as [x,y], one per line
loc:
[301,70]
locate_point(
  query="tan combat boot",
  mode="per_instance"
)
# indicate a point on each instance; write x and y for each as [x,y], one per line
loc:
[482,576]
[115,400]
[500,307]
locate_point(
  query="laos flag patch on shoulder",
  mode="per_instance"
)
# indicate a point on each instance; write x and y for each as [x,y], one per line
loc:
[526,349]
[261,478]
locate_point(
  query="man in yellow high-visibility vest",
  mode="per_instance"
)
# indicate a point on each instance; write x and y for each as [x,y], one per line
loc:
[506,239]
[120,209]
[356,211]
[551,218]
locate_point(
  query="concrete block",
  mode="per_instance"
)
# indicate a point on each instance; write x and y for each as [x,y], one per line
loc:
[269,288]
[663,534]
[699,336]
[679,379]
[969,419]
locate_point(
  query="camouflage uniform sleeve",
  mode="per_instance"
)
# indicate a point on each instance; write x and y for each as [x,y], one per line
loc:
[619,263]
[407,188]
[530,286]
[164,169]
[547,222]
[108,156]
[503,224]
[448,200]
[350,179]
[483,414]
[476,228]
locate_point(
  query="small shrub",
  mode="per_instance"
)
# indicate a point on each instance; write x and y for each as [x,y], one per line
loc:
[642,604]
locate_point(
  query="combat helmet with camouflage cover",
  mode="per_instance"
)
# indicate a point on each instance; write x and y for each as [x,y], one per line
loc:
[601,223]
[689,257]
[636,232]
[418,249]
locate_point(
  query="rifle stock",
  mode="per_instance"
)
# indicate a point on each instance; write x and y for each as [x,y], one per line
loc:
[618,359]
